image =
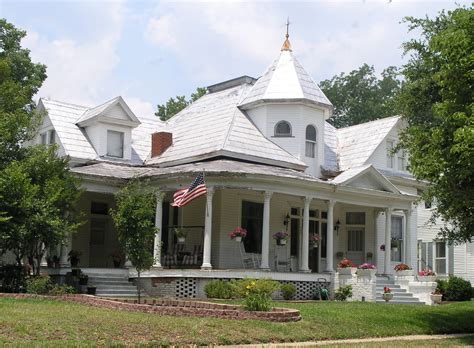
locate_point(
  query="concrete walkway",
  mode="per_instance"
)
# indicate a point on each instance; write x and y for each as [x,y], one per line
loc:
[354,341]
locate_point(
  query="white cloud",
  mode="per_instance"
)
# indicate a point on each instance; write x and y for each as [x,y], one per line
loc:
[80,72]
[140,108]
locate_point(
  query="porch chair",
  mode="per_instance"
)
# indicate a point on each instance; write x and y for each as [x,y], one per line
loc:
[194,258]
[249,260]
[171,260]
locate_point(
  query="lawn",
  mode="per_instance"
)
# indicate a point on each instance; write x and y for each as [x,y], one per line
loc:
[28,321]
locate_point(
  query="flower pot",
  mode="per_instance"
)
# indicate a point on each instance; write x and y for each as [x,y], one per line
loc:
[238,239]
[315,246]
[181,239]
[387,296]
[408,272]
[426,278]
[91,290]
[366,272]
[281,241]
[347,270]
[437,298]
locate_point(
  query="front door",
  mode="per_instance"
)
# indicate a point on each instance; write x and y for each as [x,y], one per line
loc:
[355,244]
[313,261]
[97,239]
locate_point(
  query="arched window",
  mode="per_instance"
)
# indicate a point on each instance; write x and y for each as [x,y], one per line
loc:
[283,129]
[310,141]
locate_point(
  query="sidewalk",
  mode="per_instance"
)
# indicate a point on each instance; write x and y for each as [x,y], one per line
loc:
[354,341]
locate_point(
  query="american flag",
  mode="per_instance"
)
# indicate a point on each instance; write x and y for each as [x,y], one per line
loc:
[195,190]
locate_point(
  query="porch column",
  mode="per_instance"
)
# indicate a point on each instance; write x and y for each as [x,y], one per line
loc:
[158,225]
[388,240]
[305,241]
[266,231]
[206,257]
[65,249]
[330,237]
[407,250]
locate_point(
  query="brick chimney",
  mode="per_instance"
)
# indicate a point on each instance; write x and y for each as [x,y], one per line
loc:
[160,141]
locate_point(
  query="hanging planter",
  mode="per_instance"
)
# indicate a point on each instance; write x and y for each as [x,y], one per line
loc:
[180,235]
[281,241]
[281,237]
[238,239]
[315,239]
[237,234]
[181,239]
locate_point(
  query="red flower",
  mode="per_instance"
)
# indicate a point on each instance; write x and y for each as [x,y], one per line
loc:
[387,290]
[345,263]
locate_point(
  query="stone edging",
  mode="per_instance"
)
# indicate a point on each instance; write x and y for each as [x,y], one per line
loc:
[174,307]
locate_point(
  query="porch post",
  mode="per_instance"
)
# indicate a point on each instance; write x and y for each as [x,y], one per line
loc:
[65,249]
[407,238]
[330,237]
[158,225]
[264,265]
[206,257]
[388,239]
[305,241]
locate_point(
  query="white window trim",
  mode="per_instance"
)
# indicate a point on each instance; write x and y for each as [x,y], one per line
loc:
[107,143]
[282,135]
[314,143]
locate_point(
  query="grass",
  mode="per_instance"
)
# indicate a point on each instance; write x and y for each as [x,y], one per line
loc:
[448,342]
[45,322]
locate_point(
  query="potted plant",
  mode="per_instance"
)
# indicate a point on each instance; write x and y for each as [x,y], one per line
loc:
[281,237]
[314,240]
[73,257]
[346,266]
[117,259]
[366,269]
[387,294]
[382,247]
[402,269]
[180,234]
[238,233]
[437,296]
[426,275]
[91,290]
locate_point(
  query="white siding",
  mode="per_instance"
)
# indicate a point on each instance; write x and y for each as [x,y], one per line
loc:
[97,134]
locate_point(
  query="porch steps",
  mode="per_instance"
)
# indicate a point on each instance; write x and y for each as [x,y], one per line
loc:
[400,296]
[112,284]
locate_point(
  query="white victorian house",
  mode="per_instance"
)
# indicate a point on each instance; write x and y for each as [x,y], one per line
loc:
[272,163]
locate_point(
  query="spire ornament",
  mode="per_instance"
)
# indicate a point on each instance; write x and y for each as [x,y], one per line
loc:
[286,45]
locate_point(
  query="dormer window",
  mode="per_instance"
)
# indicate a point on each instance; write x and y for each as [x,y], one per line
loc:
[283,129]
[115,144]
[310,141]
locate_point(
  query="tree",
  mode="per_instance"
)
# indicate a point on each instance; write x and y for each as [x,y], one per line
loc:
[361,97]
[173,106]
[134,221]
[20,80]
[39,194]
[437,104]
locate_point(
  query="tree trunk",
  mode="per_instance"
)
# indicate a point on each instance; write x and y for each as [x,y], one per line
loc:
[138,286]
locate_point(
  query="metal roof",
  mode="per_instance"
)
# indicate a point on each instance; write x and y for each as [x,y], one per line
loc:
[285,80]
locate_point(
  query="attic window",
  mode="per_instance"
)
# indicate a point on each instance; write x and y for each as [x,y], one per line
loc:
[114,144]
[283,129]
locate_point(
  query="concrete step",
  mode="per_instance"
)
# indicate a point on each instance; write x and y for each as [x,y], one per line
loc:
[109,279]
[380,289]
[116,288]
[130,292]
[394,302]
[109,283]
[397,295]
[391,286]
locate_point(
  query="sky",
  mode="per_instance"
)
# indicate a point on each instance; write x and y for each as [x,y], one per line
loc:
[149,51]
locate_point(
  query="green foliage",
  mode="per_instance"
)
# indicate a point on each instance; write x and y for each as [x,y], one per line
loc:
[60,290]
[173,106]
[20,80]
[219,289]
[360,96]
[134,220]
[343,293]
[288,290]
[441,286]
[39,194]
[458,289]
[256,292]
[12,278]
[437,104]
[40,285]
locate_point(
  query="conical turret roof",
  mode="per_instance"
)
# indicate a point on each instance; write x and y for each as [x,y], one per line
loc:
[285,80]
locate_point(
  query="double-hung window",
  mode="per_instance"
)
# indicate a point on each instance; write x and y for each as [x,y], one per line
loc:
[115,144]
[310,150]
[390,159]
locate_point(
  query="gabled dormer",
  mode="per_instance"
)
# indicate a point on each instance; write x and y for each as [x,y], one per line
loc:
[109,129]
[290,109]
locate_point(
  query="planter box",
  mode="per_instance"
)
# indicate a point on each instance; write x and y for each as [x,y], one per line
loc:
[436,298]
[408,272]
[366,272]
[347,270]
[426,278]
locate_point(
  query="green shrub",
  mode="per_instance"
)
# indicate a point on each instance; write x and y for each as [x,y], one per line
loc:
[219,289]
[59,290]
[256,292]
[12,278]
[343,293]
[288,291]
[441,286]
[39,285]
[458,289]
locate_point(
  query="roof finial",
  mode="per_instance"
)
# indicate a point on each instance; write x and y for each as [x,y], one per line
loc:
[286,45]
